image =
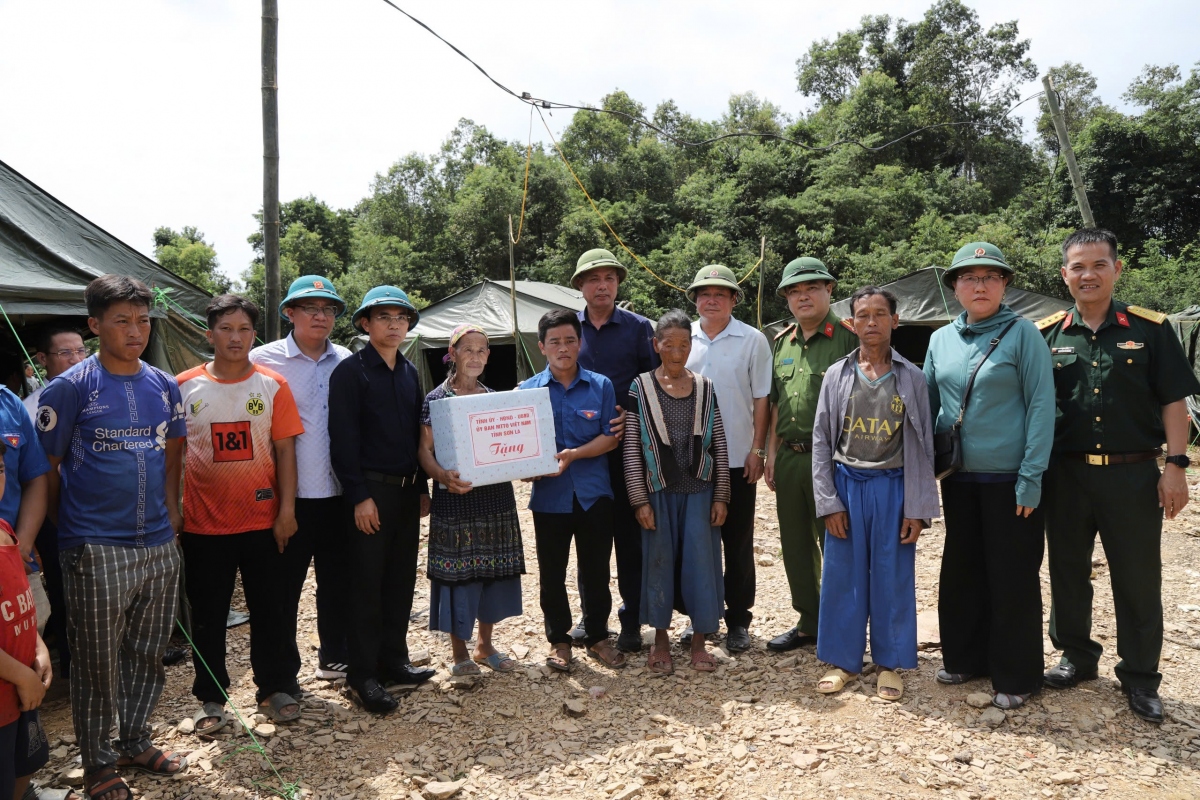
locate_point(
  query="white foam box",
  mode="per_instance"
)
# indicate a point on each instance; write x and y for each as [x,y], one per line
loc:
[495,437]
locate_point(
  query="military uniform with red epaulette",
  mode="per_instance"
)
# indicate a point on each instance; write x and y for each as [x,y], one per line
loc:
[798,367]
[1111,385]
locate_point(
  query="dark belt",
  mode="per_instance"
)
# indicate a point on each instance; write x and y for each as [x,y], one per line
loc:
[800,447]
[1105,459]
[395,480]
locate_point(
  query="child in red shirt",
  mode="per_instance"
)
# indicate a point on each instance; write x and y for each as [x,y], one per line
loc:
[24,670]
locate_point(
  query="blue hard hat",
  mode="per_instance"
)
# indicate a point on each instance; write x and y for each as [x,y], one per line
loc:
[386,296]
[311,287]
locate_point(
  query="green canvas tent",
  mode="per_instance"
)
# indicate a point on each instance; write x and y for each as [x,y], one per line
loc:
[48,255]
[925,304]
[488,304]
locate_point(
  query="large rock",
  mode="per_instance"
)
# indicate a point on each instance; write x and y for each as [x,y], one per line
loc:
[993,717]
[979,699]
[440,790]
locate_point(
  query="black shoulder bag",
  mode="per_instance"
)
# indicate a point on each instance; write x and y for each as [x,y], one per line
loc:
[947,447]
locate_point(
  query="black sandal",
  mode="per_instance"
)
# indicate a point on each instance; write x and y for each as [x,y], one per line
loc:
[103,781]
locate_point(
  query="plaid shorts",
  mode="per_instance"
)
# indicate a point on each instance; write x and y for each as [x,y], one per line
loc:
[23,750]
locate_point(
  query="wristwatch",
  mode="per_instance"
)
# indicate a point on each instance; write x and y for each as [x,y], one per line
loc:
[760,453]
[1181,461]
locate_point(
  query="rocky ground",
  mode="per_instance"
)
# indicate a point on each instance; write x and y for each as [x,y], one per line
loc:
[755,728]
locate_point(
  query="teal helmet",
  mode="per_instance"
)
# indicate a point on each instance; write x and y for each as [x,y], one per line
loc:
[312,287]
[387,296]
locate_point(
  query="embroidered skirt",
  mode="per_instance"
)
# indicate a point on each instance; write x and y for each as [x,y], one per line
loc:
[475,536]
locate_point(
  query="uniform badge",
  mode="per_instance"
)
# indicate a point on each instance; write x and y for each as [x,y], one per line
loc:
[897,404]
[829,329]
[1067,322]
[1131,345]
[714,274]
[587,414]
[47,418]
[318,285]
[787,361]
[13,439]
[979,251]
[1122,320]
[1061,351]
[255,406]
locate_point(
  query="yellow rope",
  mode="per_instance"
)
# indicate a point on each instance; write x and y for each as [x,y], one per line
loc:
[632,254]
[525,191]
[750,271]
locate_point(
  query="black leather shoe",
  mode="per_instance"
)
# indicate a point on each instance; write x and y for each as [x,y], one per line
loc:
[630,641]
[374,698]
[1146,704]
[174,655]
[407,675]
[737,639]
[1065,676]
[790,640]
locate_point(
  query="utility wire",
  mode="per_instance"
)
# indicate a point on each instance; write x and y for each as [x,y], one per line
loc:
[540,103]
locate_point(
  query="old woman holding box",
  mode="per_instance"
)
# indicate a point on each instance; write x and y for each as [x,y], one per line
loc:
[677,474]
[475,555]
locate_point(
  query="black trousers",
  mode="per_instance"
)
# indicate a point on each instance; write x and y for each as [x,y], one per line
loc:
[737,538]
[990,600]
[56,627]
[320,540]
[592,531]
[211,564]
[384,566]
[627,541]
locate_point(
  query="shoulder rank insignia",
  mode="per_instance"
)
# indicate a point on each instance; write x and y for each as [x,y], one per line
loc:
[1157,317]
[848,325]
[784,332]
[1042,324]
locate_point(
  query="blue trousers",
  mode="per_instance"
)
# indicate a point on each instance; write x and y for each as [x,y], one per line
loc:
[681,562]
[869,575]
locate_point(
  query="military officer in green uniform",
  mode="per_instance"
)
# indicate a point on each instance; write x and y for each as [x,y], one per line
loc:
[1121,377]
[800,356]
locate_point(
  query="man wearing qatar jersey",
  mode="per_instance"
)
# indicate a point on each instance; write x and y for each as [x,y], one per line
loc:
[109,425]
[239,510]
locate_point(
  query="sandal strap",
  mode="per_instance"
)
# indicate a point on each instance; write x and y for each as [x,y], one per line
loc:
[107,779]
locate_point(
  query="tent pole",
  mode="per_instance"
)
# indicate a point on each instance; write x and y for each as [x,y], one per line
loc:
[512,291]
[270,113]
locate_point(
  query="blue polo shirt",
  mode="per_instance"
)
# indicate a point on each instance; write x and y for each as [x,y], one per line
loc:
[620,350]
[24,459]
[581,413]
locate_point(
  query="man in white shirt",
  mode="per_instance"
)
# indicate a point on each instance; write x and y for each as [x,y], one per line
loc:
[737,359]
[306,358]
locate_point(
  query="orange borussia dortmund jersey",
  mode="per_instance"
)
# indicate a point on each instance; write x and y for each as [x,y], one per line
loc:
[229,482]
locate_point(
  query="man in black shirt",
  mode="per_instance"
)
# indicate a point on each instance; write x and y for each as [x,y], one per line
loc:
[374,426]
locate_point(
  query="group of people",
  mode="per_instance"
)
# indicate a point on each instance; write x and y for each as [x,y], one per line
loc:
[131,483]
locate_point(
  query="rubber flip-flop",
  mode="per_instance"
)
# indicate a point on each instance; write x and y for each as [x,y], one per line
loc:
[889,679]
[498,662]
[838,678]
[273,707]
[464,669]
[207,711]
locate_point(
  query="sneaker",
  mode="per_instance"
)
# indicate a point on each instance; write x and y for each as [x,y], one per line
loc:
[331,670]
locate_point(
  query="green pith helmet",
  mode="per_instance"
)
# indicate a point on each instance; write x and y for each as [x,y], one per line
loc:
[714,275]
[802,270]
[312,287]
[386,296]
[595,259]
[975,254]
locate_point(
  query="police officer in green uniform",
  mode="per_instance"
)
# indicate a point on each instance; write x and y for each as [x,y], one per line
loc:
[800,356]
[1121,377]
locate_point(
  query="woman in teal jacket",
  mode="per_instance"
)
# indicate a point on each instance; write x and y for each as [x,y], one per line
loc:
[990,600]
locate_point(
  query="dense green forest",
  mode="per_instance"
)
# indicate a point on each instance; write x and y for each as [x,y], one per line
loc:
[436,223]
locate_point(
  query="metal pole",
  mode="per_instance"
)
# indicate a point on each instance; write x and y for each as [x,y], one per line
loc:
[1064,143]
[512,290]
[762,273]
[270,112]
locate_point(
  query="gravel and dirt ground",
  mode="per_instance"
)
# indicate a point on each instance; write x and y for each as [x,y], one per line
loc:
[755,728]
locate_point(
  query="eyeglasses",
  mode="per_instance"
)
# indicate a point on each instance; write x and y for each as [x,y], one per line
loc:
[322,311]
[390,319]
[81,351]
[990,280]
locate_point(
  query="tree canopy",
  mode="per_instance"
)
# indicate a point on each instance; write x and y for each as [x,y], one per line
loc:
[436,223]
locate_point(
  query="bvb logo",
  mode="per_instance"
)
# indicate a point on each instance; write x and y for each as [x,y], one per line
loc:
[897,404]
[255,406]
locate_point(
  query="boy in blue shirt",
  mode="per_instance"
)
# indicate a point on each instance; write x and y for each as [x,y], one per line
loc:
[113,426]
[577,501]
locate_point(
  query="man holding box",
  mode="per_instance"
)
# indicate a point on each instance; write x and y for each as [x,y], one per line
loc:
[577,501]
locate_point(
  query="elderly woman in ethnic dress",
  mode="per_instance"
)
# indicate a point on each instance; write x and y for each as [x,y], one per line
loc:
[676,471]
[475,555]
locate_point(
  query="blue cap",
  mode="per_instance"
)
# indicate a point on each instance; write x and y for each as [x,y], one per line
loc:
[312,287]
[386,296]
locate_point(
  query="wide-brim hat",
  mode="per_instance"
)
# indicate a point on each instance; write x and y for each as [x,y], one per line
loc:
[714,275]
[802,270]
[387,296]
[312,287]
[595,259]
[976,254]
